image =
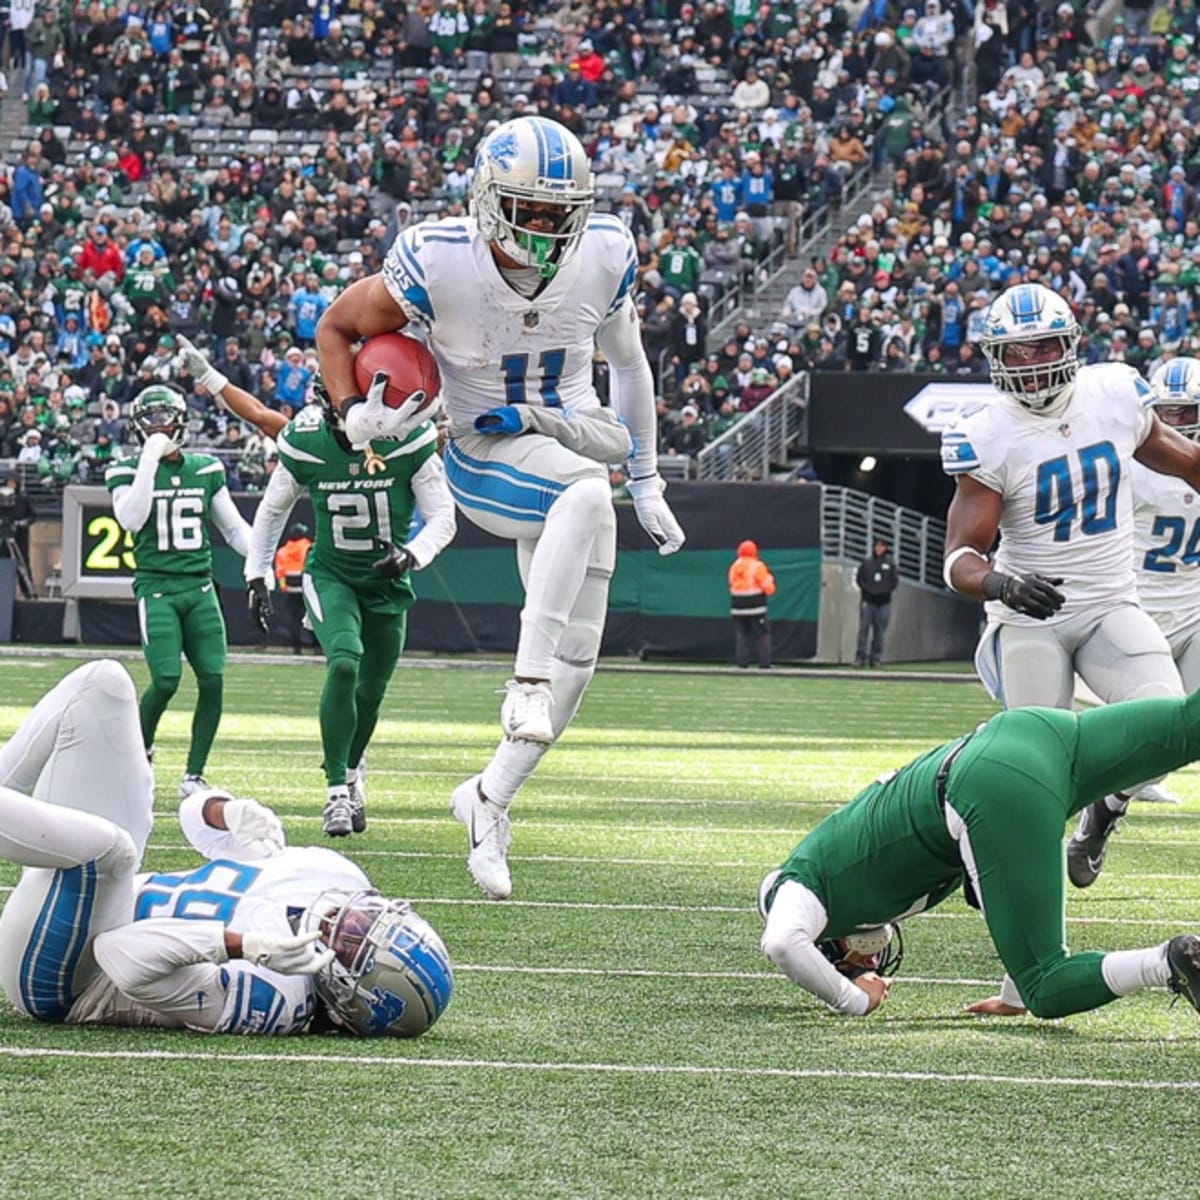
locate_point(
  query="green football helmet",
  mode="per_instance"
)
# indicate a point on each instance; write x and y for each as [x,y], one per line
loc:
[160,409]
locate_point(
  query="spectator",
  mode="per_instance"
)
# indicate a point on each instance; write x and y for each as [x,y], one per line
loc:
[805,302]
[687,438]
[877,580]
[689,335]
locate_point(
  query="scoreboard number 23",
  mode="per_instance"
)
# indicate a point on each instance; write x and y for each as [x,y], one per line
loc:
[112,547]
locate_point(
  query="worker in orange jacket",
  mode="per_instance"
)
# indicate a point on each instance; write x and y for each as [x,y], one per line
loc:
[289,574]
[750,583]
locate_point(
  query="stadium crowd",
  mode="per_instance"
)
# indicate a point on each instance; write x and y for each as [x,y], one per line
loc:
[223,171]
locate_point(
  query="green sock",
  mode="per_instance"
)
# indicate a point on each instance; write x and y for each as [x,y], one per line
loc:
[205,719]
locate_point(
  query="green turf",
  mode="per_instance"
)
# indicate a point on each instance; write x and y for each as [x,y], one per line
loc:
[615,1031]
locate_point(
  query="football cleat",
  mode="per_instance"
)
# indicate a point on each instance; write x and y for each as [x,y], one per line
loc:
[525,713]
[1183,957]
[1089,842]
[356,784]
[337,819]
[1155,793]
[488,836]
[190,784]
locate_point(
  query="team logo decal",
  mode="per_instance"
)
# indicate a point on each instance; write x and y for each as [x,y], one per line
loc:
[531,319]
[354,468]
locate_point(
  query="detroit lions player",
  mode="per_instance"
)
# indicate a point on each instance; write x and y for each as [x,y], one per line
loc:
[216,949]
[515,300]
[1046,464]
[1166,538]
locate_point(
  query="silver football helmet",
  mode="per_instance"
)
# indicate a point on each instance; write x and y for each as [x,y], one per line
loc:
[390,975]
[533,192]
[1176,387]
[1031,341]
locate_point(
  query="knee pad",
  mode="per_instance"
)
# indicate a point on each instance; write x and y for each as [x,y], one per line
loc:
[120,859]
[210,685]
[342,668]
[166,685]
[110,679]
[588,504]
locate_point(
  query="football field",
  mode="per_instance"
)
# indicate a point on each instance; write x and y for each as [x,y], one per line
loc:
[615,1030]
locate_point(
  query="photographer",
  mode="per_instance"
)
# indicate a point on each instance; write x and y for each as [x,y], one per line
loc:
[16,516]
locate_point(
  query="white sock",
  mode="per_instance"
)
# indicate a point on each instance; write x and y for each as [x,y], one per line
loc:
[510,766]
[1117,802]
[1127,971]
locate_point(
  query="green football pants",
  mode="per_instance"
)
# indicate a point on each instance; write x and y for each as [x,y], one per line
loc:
[362,635]
[1010,798]
[188,624]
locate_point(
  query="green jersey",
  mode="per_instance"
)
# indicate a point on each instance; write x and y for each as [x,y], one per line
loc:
[172,548]
[355,512]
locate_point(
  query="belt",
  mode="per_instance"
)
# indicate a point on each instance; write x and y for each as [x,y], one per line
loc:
[944,770]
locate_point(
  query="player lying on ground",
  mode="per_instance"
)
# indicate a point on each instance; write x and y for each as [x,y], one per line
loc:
[166,501]
[356,585]
[262,939]
[986,810]
[515,301]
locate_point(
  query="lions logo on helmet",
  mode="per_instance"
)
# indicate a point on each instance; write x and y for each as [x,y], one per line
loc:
[390,975]
[160,409]
[533,192]
[1176,387]
[1031,341]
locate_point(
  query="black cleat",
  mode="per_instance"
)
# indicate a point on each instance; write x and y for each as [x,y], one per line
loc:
[1183,957]
[1086,849]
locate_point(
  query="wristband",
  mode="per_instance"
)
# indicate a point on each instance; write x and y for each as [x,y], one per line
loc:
[212,381]
[952,558]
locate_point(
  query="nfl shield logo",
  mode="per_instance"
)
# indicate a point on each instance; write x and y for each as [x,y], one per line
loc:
[175,480]
[1065,430]
[354,468]
[531,319]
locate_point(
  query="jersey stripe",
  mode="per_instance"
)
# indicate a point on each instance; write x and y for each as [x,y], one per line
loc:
[216,466]
[416,293]
[286,447]
[498,488]
[412,444]
[958,455]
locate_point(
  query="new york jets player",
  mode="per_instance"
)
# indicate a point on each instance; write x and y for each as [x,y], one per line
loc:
[261,939]
[515,300]
[166,501]
[1046,464]
[986,810]
[357,589]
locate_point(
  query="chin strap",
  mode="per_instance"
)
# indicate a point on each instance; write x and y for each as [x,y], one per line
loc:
[1059,402]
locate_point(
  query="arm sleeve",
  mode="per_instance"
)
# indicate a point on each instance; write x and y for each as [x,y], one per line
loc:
[132,504]
[229,521]
[620,341]
[269,520]
[796,920]
[212,843]
[599,435]
[433,497]
[169,964]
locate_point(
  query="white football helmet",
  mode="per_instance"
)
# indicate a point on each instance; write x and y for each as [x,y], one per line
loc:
[1176,386]
[533,192]
[1031,341]
[390,976]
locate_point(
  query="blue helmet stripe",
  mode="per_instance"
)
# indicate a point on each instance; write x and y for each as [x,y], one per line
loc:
[1025,304]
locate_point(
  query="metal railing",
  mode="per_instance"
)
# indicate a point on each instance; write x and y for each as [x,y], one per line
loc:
[852,520]
[760,439]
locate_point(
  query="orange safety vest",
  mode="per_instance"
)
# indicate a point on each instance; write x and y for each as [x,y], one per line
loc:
[289,559]
[750,583]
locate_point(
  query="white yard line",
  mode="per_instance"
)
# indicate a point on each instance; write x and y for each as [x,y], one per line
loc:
[594,1068]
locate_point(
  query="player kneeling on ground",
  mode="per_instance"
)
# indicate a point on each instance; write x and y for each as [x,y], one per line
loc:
[986,811]
[261,939]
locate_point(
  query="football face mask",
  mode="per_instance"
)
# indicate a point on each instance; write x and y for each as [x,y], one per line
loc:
[1176,387]
[879,950]
[160,409]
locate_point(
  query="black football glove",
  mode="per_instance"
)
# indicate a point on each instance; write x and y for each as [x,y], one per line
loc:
[395,562]
[1034,595]
[258,600]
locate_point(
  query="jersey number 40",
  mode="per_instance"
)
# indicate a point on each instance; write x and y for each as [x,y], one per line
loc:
[1096,508]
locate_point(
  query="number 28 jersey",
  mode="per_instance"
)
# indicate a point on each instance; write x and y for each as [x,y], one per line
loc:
[173,549]
[1066,487]
[494,346]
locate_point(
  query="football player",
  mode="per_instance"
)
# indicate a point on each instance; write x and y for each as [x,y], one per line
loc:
[355,587]
[1166,537]
[166,502]
[985,811]
[1046,464]
[262,939]
[514,301]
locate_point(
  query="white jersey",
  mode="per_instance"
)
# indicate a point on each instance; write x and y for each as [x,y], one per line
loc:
[494,346]
[1166,542]
[169,955]
[1065,481]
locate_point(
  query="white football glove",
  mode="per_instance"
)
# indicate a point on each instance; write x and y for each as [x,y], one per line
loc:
[158,444]
[191,362]
[254,827]
[371,419]
[654,513]
[297,954]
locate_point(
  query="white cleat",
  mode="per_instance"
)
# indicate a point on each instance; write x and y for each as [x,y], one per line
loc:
[1155,793]
[488,835]
[337,819]
[356,785]
[525,713]
[190,784]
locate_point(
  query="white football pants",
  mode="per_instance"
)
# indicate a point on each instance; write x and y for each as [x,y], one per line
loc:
[76,808]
